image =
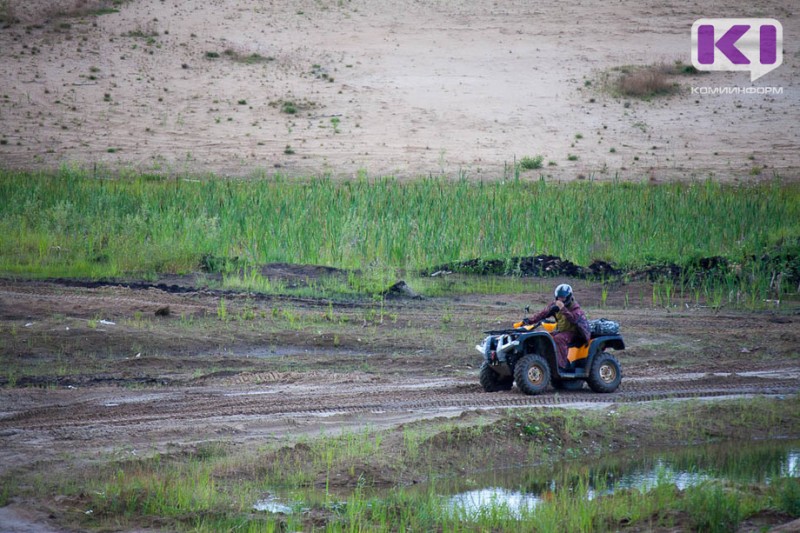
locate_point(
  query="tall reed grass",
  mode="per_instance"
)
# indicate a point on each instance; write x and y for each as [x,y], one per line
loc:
[71,224]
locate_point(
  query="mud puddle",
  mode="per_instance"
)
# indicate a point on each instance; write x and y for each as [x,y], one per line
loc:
[519,490]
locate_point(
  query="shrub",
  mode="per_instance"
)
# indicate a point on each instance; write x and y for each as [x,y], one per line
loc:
[530,163]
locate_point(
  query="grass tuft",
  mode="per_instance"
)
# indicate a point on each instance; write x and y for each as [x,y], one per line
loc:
[531,163]
[245,58]
[646,82]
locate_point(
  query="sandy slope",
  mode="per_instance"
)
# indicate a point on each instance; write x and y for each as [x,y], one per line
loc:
[417,88]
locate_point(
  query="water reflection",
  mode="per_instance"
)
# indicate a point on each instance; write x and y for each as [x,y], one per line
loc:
[272,505]
[518,491]
[514,502]
[513,492]
[792,466]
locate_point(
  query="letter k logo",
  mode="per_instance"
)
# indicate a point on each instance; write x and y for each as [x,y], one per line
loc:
[726,44]
[748,44]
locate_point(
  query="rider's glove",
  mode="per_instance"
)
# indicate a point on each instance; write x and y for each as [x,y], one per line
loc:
[527,321]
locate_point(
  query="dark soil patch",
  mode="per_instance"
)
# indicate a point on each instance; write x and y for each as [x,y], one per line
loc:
[401,290]
[783,261]
[552,266]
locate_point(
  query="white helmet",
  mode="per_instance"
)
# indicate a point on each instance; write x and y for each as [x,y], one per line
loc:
[564,291]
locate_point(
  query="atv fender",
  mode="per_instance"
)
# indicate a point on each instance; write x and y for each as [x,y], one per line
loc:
[596,346]
[599,344]
[542,343]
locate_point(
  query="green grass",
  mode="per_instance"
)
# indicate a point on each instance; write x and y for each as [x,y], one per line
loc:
[71,224]
[531,163]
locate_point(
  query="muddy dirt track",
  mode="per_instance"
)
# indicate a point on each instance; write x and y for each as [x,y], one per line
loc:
[49,423]
[93,372]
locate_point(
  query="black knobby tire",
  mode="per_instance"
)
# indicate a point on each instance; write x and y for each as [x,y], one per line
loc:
[532,374]
[568,384]
[606,374]
[491,381]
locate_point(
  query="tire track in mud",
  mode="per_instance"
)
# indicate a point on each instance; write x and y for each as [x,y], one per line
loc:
[129,408]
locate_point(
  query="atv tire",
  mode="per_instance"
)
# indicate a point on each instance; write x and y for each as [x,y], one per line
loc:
[606,374]
[491,381]
[568,384]
[532,374]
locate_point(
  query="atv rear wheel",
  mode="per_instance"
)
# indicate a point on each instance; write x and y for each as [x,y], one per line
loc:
[491,381]
[606,374]
[532,374]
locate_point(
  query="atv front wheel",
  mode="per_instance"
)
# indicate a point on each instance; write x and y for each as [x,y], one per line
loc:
[532,374]
[606,374]
[491,381]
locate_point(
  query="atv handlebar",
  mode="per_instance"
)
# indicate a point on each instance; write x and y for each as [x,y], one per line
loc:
[519,327]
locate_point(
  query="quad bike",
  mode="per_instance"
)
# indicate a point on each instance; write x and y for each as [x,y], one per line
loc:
[527,356]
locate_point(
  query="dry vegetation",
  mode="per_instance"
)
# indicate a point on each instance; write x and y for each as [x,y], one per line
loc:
[646,81]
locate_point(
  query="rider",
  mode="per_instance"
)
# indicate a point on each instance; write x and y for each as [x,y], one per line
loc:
[571,324]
